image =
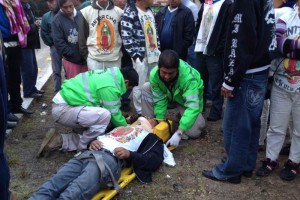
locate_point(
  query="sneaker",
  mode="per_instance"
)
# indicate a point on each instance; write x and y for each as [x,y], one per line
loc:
[267,167]
[290,170]
[52,141]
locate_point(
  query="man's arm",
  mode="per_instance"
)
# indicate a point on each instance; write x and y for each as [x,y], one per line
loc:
[240,50]
[83,34]
[46,30]
[189,28]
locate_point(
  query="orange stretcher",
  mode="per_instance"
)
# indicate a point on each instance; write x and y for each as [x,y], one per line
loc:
[162,130]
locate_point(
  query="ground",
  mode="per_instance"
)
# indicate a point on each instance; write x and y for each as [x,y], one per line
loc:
[184,181]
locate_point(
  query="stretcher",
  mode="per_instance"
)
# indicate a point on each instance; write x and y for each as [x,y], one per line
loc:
[163,131]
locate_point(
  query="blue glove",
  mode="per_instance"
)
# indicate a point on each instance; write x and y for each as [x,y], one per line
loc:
[175,139]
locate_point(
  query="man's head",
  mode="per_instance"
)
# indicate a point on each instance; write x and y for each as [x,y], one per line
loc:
[67,7]
[168,65]
[174,3]
[52,5]
[131,77]
[279,3]
[144,4]
[120,3]
[103,3]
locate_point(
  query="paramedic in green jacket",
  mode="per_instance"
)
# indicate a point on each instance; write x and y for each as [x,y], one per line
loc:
[89,101]
[174,81]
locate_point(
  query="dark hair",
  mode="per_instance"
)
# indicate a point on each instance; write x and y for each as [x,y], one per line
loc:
[131,75]
[62,2]
[168,59]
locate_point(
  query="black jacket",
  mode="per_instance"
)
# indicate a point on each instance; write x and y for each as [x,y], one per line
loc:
[250,41]
[148,158]
[183,28]
[33,38]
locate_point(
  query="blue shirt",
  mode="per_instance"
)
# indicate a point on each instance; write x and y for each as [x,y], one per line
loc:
[4,23]
[166,39]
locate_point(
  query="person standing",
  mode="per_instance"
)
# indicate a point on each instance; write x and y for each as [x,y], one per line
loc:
[29,68]
[140,39]
[249,48]
[65,38]
[99,38]
[176,27]
[56,59]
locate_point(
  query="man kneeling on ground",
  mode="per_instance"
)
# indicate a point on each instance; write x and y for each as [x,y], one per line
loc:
[87,103]
[85,174]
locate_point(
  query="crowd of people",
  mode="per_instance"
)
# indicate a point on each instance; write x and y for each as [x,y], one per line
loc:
[175,59]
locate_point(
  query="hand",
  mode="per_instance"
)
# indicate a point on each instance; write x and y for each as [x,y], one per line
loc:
[95,145]
[175,139]
[121,153]
[37,23]
[226,93]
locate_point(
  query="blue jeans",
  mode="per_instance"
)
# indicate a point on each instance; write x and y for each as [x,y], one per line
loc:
[29,71]
[78,179]
[242,126]
[212,74]
[56,60]
[4,171]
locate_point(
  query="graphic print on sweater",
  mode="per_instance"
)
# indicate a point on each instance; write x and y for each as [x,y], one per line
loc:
[105,36]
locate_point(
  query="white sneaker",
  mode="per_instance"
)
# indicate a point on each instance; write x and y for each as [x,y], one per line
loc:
[168,157]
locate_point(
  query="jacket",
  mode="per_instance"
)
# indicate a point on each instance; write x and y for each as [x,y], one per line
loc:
[99,37]
[250,43]
[216,43]
[183,28]
[65,37]
[46,28]
[186,91]
[148,158]
[33,38]
[132,33]
[97,88]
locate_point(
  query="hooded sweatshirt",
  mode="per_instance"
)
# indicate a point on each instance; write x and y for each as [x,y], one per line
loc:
[99,37]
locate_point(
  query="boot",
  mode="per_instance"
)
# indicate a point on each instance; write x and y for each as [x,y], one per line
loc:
[52,141]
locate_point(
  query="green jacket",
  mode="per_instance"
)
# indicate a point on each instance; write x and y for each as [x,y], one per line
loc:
[187,91]
[102,88]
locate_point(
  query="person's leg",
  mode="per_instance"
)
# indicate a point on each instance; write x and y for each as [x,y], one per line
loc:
[88,183]
[94,64]
[280,109]
[196,129]
[295,132]
[56,61]
[72,69]
[264,122]
[4,170]
[216,77]
[13,61]
[241,143]
[202,69]
[147,101]
[52,188]
[28,71]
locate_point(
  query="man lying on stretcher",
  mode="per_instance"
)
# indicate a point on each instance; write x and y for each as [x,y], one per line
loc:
[85,174]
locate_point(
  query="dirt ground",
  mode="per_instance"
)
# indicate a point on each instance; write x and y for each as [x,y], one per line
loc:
[184,181]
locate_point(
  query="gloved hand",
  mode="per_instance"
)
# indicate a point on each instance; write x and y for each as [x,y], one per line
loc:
[175,139]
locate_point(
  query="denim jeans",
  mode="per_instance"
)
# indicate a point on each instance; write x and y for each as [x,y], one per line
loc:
[29,71]
[78,179]
[211,70]
[242,126]
[56,61]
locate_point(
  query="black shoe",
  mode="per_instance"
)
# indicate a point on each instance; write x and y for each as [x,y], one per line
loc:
[11,125]
[12,118]
[33,95]
[40,91]
[22,110]
[213,119]
[268,166]
[290,170]
[210,175]
[247,174]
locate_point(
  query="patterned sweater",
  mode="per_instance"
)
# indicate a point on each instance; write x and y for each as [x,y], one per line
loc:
[132,33]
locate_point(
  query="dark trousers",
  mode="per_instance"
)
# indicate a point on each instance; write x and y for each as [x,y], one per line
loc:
[4,171]
[29,71]
[13,76]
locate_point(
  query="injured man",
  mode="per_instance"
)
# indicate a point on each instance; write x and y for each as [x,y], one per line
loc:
[100,166]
